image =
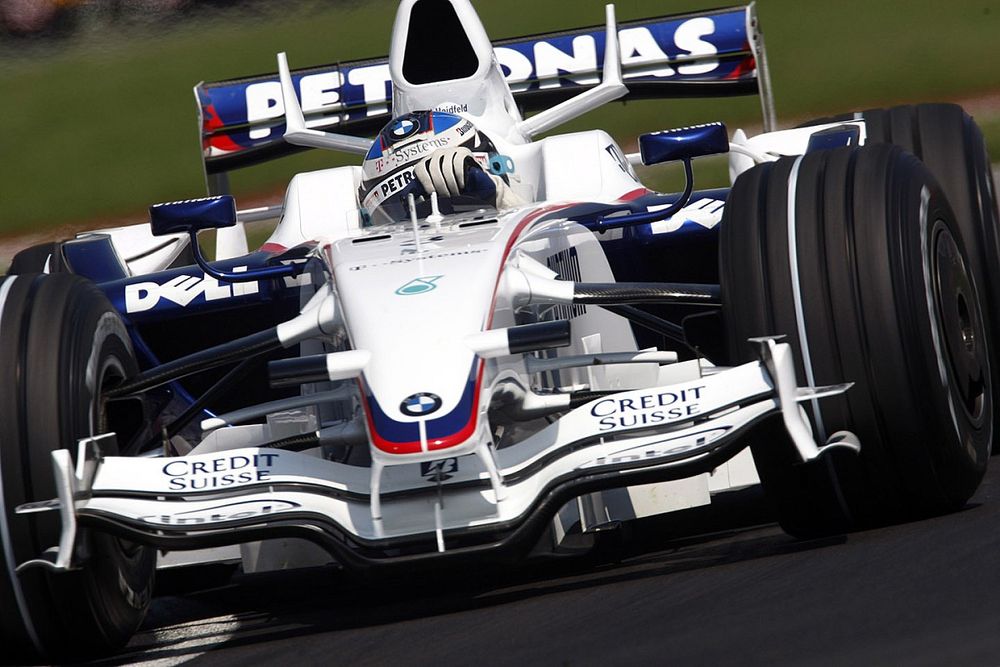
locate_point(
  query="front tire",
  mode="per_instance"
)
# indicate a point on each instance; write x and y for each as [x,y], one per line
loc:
[950,143]
[61,345]
[855,256]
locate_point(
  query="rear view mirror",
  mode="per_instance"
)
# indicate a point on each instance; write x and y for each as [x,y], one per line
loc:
[192,215]
[683,143]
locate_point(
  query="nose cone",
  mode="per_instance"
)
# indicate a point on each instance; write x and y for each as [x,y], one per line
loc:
[413,311]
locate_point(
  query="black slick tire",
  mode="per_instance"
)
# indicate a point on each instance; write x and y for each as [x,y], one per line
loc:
[950,143]
[61,344]
[855,256]
[44,257]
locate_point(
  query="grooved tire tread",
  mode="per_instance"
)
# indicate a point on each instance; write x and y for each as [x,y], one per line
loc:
[865,315]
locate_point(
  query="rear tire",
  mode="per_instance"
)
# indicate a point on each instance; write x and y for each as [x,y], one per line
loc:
[61,344]
[44,257]
[870,232]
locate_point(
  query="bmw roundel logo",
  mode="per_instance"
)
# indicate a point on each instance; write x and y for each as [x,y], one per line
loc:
[420,404]
[403,129]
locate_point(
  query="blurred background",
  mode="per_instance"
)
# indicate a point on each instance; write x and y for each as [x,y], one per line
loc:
[99,118]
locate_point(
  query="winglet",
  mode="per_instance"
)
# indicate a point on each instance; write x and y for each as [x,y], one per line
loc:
[611,87]
[296,131]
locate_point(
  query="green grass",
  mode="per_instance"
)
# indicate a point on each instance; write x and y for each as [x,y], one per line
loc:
[103,127]
[991,130]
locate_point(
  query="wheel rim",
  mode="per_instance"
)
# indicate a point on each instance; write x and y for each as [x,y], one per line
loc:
[960,323]
[112,373]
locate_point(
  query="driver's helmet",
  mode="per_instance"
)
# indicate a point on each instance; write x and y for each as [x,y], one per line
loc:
[388,170]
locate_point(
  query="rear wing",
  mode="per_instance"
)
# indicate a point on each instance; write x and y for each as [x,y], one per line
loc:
[713,53]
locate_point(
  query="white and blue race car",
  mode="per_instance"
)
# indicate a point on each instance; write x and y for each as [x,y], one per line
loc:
[477,345]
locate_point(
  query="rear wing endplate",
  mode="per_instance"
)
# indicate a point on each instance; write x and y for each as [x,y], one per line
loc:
[706,54]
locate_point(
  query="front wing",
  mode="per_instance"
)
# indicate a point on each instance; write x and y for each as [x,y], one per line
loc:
[437,509]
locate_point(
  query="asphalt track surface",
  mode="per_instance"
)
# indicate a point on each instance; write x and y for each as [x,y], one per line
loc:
[923,593]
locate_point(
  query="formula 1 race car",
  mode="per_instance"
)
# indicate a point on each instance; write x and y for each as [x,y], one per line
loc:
[477,346]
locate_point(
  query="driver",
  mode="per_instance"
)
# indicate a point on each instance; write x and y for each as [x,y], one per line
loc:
[431,151]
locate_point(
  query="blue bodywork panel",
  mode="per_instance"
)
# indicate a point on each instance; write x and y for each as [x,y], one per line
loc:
[192,215]
[186,291]
[683,143]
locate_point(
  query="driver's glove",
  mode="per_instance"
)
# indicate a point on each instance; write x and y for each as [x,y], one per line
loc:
[451,172]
